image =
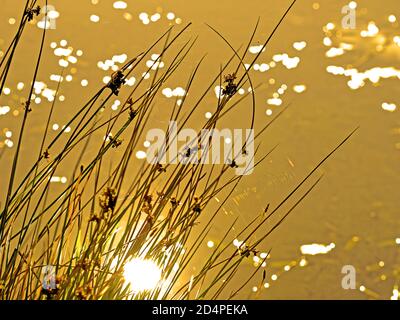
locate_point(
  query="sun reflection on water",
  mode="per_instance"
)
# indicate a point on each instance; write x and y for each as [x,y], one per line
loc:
[142,274]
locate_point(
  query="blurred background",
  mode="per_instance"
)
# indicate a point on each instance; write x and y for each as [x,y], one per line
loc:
[332,80]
